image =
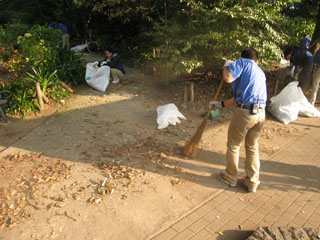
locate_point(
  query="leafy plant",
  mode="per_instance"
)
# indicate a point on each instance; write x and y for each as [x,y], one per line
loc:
[20,96]
[70,67]
[45,79]
[9,33]
[40,46]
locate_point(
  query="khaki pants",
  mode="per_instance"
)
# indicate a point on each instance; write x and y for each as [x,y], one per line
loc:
[116,74]
[247,127]
[65,41]
[315,85]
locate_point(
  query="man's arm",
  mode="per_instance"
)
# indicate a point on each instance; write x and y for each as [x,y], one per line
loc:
[114,62]
[230,102]
[227,77]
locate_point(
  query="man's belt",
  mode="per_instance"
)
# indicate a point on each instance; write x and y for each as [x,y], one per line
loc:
[239,105]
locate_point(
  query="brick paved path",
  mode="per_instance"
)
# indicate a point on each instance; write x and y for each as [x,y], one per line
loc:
[289,195]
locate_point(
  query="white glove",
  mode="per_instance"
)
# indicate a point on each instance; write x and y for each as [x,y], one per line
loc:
[215,104]
[95,64]
[103,63]
[227,63]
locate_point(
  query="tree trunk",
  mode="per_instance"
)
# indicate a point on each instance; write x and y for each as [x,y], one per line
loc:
[69,89]
[316,34]
[39,94]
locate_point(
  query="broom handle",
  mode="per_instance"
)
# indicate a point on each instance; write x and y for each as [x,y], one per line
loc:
[215,97]
[218,91]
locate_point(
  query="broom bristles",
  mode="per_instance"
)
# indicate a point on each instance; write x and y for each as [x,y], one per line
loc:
[191,148]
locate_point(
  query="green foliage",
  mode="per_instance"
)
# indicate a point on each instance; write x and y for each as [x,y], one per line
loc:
[46,79]
[20,96]
[38,57]
[293,30]
[40,46]
[49,83]
[9,33]
[205,36]
[70,67]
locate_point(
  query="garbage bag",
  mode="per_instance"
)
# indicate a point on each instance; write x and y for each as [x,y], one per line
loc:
[290,103]
[79,48]
[168,114]
[97,77]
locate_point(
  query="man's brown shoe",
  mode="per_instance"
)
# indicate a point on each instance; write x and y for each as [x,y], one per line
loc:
[252,187]
[228,180]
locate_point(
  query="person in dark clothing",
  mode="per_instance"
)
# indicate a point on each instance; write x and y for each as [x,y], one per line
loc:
[302,59]
[65,35]
[316,78]
[305,41]
[112,60]
[53,24]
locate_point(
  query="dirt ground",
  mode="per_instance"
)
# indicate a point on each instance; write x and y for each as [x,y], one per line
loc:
[98,167]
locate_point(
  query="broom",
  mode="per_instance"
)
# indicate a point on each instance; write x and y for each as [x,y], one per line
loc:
[191,148]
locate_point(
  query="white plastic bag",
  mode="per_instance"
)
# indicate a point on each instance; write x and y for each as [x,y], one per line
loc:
[79,48]
[168,114]
[306,109]
[98,78]
[290,103]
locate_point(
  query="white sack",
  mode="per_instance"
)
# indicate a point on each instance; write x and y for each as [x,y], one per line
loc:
[307,109]
[168,114]
[98,78]
[290,103]
[79,48]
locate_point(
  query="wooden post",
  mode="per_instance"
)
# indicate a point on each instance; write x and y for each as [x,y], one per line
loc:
[276,87]
[186,90]
[39,94]
[192,91]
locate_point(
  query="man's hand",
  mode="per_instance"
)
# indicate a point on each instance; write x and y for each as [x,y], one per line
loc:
[96,64]
[215,104]
[227,63]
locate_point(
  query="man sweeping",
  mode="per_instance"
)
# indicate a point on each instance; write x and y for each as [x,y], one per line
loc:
[249,97]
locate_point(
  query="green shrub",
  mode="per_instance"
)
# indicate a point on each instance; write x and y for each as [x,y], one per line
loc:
[20,96]
[70,67]
[38,57]
[9,33]
[40,46]
[208,36]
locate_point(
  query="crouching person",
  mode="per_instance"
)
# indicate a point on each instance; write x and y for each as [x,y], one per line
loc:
[112,60]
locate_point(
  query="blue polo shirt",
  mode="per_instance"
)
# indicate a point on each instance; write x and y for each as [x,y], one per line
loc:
[250,82]
[316,59]
[305,42]
[63,28]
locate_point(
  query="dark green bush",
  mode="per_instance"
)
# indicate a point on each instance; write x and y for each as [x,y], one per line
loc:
[70,67]
[37,57]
